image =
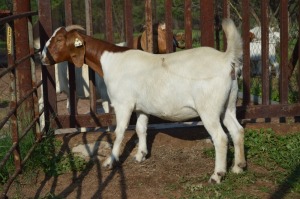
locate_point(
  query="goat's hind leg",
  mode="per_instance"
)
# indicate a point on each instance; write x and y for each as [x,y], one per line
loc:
[122,117]
[141,130]
[213,126]
[237,134]
[235,129]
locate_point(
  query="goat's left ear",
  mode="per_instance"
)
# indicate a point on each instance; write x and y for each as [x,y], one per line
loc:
[76,46]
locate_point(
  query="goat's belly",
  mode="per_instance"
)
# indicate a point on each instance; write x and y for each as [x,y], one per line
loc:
[169,113]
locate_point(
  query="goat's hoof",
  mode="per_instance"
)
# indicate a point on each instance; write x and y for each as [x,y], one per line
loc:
[140,157]
[239,168]
[216,177]
[108,163]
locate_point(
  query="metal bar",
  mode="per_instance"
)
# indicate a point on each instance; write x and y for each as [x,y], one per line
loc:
[207,22]
[88,17]
[265,53]
[92,87]
[14,65]
[268,111]
[17,16]
[169,26]
[71,69]
[149,26]
[37,129]
[21,50]
[188,23]
[68,12]
[128,23]
[246,55]
[283,83]
[109,21]
[17,105]
[82,120]
[48,72]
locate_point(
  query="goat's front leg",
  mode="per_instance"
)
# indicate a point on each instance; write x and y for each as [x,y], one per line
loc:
[122,117]
[141,130]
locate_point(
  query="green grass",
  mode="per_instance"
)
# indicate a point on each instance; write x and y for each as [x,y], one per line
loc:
[276,156]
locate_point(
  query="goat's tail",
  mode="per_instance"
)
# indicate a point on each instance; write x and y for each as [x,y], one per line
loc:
[234,49]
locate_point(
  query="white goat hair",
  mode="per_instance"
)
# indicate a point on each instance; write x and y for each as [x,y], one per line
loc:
[176,86]
[255,51]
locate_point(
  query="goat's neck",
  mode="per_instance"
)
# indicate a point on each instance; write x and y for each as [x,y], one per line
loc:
[94,49]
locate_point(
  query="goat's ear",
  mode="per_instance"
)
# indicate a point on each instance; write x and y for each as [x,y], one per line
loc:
[76,46]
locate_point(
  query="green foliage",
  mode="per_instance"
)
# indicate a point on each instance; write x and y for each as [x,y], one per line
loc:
[54,163]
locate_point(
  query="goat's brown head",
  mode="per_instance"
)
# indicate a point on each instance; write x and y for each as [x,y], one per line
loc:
[66,44]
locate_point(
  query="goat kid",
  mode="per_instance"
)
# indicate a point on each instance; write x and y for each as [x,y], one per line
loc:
[176,87]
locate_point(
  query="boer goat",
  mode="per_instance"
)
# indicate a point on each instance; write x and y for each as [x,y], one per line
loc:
[255,50]
[159,40]
[176,87]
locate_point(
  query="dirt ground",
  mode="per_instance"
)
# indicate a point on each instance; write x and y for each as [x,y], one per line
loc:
[174,154]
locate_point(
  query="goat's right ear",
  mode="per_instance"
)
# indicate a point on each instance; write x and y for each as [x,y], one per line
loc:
[76,46]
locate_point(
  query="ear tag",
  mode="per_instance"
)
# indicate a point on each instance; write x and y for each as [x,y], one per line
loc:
[78,43]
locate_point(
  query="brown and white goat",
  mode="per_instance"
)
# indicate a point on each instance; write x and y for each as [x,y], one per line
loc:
[176,87]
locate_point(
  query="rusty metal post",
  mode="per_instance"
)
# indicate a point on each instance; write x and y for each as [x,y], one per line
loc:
[48,72]
[283,83]
[188,23]
[128,23]
[246,57]
[265,52]
[109,21]
[68,12]
[149,26]
[169,25]
[89,31]
[22,50]
[71,69]
[207,22]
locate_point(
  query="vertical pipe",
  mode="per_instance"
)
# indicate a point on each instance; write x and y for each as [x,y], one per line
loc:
[188,23]
[109,21]
[246,57]
[68,12]
[128,22]
[71,68]
[283,83]
[149,27]
[265,52]
[207,22]
[48,72]
[169,26]
[22,49]
[34,81]
[89,31]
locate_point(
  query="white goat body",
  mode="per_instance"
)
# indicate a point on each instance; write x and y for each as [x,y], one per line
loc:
[177,86]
